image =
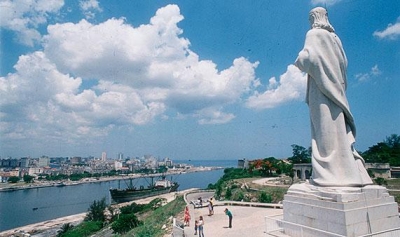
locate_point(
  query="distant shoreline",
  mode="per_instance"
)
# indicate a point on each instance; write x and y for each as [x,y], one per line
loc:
[10,187]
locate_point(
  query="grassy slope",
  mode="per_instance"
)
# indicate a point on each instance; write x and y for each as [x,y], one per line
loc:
[155,220]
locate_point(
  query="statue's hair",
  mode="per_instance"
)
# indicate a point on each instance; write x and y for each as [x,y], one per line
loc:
[319,19]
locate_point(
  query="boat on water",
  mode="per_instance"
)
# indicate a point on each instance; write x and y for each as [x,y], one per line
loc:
[59,184]
[132,193]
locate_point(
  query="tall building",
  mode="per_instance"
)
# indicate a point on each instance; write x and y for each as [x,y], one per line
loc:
[103,156]
[24,162]
[120,156]
[76,160]
[44,161]
[168,162]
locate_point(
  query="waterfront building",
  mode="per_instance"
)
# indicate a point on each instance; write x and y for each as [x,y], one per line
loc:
[243,163]
[168,162]
[35,170]
[117,165]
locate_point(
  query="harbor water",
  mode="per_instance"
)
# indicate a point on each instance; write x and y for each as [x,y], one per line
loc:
[28,206]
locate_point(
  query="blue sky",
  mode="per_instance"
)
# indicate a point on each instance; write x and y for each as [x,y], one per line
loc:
[183,79]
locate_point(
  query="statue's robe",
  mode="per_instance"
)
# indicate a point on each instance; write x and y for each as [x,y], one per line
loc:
[335,162]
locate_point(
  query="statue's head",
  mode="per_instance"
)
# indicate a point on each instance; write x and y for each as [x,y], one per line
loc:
[318,18]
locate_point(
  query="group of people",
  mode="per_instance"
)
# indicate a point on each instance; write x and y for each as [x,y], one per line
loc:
[199,224]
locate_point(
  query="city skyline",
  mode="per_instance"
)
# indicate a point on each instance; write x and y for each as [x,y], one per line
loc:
[183,79]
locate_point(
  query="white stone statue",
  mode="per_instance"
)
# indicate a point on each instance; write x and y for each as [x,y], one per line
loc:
[335,162]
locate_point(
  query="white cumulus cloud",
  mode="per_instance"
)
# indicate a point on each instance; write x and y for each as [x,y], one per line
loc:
[89,8]
[152,58]
[291,86]
[325,2]
[374,72]
[92,78]
[24,17]
[392,31]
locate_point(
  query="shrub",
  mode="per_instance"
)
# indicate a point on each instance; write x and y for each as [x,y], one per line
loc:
[155,203]
[228,194]
[13,179]
[125,223]
[133,208]
[84,229]
[64,229]
[234,186]
[238,196]
[265,198]
[147,230]
[380,181]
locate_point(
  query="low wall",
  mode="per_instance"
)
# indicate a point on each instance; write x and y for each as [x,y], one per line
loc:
[236,203]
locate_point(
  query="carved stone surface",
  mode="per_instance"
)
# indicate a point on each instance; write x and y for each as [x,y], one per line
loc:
[334,160]
[340,210]
[340,199]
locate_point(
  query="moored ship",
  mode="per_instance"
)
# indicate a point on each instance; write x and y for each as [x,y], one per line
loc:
[132,193]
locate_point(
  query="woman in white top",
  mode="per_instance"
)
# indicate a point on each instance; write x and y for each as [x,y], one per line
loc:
[200,225]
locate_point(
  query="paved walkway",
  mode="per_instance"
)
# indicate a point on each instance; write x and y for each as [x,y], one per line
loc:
[247,221]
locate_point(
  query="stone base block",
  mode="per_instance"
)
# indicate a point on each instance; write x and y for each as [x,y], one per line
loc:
[320,211]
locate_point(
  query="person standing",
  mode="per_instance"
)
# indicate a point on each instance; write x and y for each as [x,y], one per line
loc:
[186,218]
[196,225]
[200,226]
[229,214]
[209,207]
[212,206]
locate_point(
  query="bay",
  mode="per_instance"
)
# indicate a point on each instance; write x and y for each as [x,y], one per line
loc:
[28,206]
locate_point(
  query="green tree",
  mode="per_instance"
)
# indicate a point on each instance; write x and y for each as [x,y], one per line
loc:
[13,179]
[379,153]
[218,191]
[393,141]
[28,179]
[96,211]
[300,154]
[162,169]
[387,151]
[268,165]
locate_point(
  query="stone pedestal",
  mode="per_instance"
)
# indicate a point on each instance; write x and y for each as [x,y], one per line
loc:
[338,211]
